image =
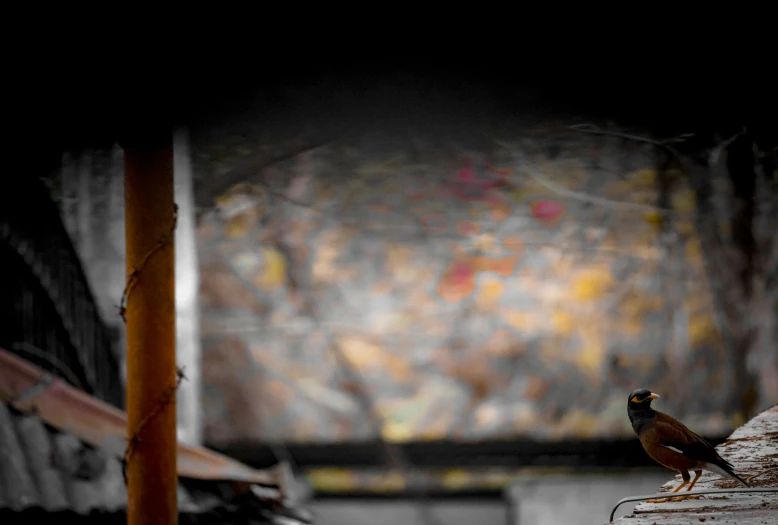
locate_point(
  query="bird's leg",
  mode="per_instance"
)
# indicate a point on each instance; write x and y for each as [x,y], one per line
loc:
[697,474]
[686,478]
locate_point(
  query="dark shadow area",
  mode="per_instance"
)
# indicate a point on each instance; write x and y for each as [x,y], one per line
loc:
[96,103]
[505,453]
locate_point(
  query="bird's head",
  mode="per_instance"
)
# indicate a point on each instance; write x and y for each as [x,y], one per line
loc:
[641,398]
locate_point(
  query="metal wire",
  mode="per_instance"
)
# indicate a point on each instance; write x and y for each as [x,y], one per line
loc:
[689,493]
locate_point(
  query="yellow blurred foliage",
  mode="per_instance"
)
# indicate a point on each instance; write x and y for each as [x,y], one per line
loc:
[366,356]
[645,178]
[693,249]
[590,356]
[564,322]
[241,225]
[683,201]
[332,479]
[637,304]
[396,432]
[519,320]
[702,328]
[273,273]
[580,424]
[654,218]
[632,326]
[592,284]
[456,479]
[398,256]
[489,292]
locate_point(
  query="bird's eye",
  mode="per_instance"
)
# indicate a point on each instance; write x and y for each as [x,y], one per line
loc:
[635,399]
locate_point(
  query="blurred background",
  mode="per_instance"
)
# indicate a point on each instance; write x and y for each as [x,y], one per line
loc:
[429,292]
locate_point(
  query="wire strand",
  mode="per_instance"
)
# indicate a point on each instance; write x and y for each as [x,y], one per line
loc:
[689,493]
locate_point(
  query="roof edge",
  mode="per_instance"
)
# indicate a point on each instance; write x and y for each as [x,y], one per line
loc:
[28,388]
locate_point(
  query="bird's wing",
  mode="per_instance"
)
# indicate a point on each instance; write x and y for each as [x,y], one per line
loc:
[673,433]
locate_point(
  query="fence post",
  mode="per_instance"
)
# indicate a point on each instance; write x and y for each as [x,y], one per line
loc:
[149,308]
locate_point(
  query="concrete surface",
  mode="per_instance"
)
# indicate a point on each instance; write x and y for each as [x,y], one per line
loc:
[537,500]
[381,512]
[583,500]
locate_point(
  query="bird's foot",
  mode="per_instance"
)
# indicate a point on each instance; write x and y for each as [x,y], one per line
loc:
[659,500]
[681,498]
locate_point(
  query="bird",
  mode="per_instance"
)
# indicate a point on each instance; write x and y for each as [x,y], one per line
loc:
[671,444]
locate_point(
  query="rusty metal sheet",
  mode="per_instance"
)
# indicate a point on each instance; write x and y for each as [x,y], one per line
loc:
[27,387]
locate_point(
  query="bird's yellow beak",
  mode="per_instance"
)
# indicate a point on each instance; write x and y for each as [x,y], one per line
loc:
[653,396]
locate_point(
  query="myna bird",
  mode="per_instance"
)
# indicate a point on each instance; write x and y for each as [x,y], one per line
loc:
[671,444]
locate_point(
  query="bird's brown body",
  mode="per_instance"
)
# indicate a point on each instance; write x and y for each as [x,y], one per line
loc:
[668,428]
[671,444]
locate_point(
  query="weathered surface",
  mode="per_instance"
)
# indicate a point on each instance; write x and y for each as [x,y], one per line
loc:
[472,288]
[753,450]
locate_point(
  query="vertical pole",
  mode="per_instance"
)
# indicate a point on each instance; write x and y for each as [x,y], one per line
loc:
[151,332]
[188,406]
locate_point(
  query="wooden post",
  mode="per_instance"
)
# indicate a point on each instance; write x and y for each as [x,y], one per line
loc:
[151,332]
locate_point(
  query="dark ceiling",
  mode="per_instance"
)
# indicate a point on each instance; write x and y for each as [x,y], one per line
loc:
[73,103]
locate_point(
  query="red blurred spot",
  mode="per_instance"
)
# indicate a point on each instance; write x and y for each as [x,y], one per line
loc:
[461,272]
[467,186]
[547,210]
[457,282]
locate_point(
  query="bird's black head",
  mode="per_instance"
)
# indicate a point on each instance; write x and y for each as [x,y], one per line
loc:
[639,409]
[641,398]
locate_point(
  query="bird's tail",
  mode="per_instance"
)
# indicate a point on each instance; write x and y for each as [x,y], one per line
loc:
[725,469]
[741,480]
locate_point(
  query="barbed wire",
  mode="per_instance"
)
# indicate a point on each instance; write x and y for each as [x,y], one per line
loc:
[132,279]
[169,394]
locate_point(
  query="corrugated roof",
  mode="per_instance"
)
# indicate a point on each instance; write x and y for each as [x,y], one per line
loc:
[60,450]
[44,467]
[29,388]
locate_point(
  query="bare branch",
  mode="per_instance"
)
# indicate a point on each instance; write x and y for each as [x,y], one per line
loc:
[716,152]
[594,130]
[593,199]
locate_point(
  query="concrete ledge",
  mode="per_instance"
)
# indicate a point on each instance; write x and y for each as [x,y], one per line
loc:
[753,450]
